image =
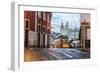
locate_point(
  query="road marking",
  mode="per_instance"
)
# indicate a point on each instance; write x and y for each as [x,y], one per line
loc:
[68,55]
[54,55]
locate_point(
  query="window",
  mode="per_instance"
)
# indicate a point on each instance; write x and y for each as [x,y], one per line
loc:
[48,31]
[39,28]
[44,15]
[44,29]
[39,14]
[39,21]
[27,24]
[48,18]
[88,33]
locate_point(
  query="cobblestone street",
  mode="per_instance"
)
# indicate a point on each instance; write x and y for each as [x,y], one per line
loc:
[42,54]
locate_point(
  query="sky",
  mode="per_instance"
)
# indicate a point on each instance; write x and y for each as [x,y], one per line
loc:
[58,18]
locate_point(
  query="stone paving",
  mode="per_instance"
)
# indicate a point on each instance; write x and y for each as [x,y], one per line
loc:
[42,54]
[33,55]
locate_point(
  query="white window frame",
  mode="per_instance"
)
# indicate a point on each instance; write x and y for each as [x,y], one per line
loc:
[17,59]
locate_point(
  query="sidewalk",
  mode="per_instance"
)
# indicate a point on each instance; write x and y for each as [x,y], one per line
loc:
[33,55]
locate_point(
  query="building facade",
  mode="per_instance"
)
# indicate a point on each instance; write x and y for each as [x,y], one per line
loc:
[85,35]
[37,29]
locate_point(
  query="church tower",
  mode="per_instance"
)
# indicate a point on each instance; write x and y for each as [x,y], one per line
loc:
[66,26]
[61,28]
[66,29]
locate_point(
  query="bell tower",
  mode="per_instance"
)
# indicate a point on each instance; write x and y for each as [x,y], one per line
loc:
[61,28]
